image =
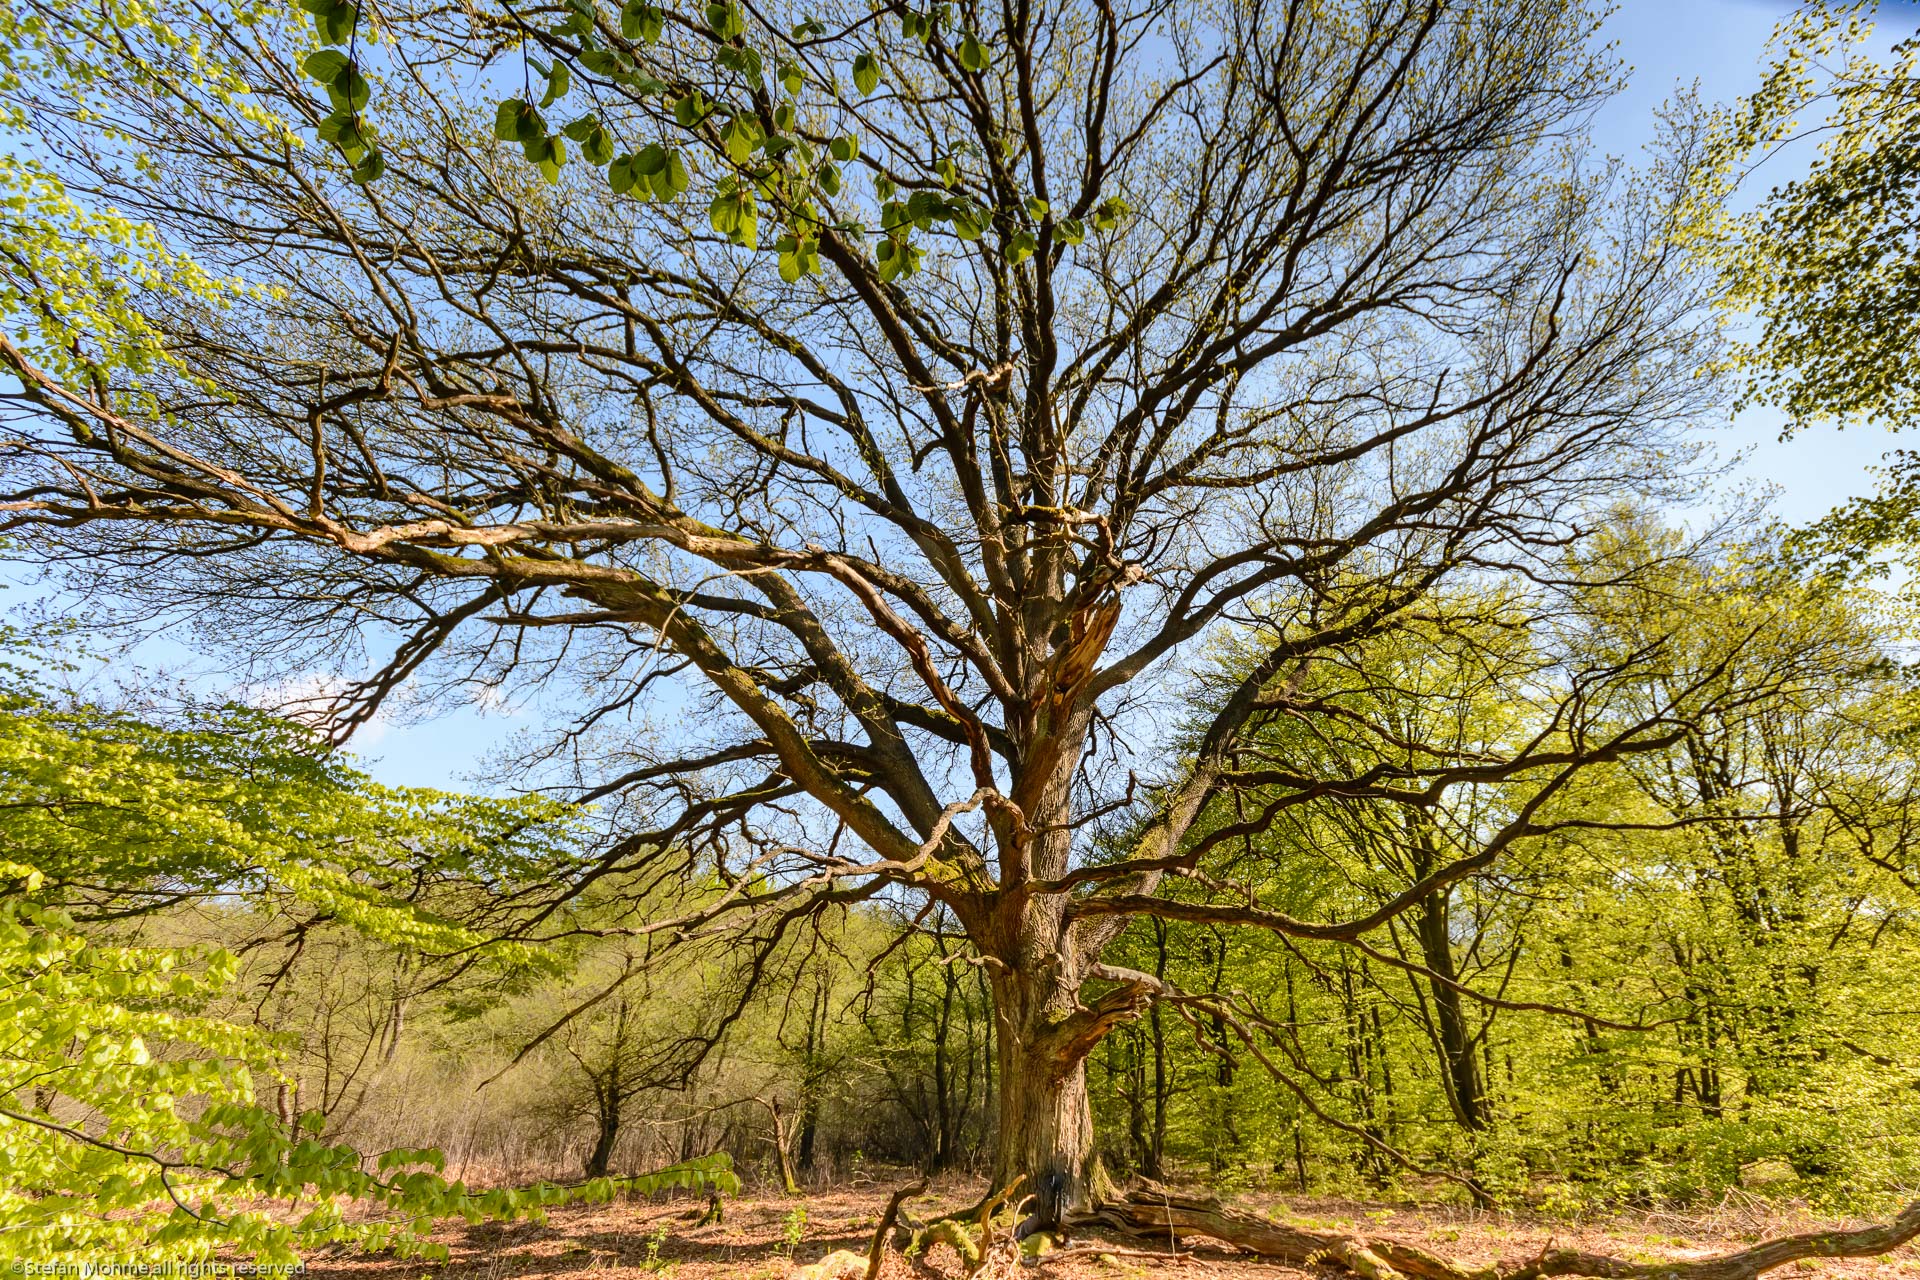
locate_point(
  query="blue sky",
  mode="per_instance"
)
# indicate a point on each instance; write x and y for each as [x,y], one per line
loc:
[1668,44]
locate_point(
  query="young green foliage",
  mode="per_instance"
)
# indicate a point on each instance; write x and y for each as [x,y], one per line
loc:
[131,1125]
[646,57]
[1824,267]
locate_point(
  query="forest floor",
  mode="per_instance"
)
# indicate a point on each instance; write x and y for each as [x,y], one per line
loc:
[628,1240]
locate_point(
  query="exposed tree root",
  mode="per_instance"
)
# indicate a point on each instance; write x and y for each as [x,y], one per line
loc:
[993,1203]
[1104,1250]
[983,1250]
[876,1249]
[715,1211]
[1154,1213]
[845,1264]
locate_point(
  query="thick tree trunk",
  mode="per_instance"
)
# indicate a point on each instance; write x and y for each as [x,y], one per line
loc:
[1045,1129]
[1046,1134]
[1043,1032]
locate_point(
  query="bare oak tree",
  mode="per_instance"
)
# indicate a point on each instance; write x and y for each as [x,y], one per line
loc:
[1099,336]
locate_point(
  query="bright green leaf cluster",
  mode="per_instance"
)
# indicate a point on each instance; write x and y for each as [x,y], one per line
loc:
[72,274]
[130,1125]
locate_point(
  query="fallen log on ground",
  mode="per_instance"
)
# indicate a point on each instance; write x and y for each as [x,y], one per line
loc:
[1159,1214]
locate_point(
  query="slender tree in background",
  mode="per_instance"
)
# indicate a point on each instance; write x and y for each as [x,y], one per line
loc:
[872,434]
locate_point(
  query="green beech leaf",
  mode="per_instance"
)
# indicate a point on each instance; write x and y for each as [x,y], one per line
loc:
[334,24]
[866,73]
[580,20]
[727,20]
[745,61]
[516,120]
[692,109]
[324,64]
[642,83]
[344,131]
[896,258]
[559,81]
[605,62]
[549,152]
[799,256]
[967,219]
[895,221]
[673,180]
[620,175]
[740,136]
[923,207]
[349,90]
[659,173]
[641,21]
[733,215]
[597,147]
[506,120]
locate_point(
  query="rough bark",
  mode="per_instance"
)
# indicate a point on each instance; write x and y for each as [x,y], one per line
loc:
[1158,1214]
[1045,1032]
[1045,1035]
[1045,1129]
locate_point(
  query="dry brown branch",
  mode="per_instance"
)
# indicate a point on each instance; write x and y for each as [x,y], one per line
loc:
[1152,1212]
[876,1250]
[845,1264]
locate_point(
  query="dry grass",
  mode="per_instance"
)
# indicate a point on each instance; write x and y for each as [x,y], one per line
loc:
[632,1240]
